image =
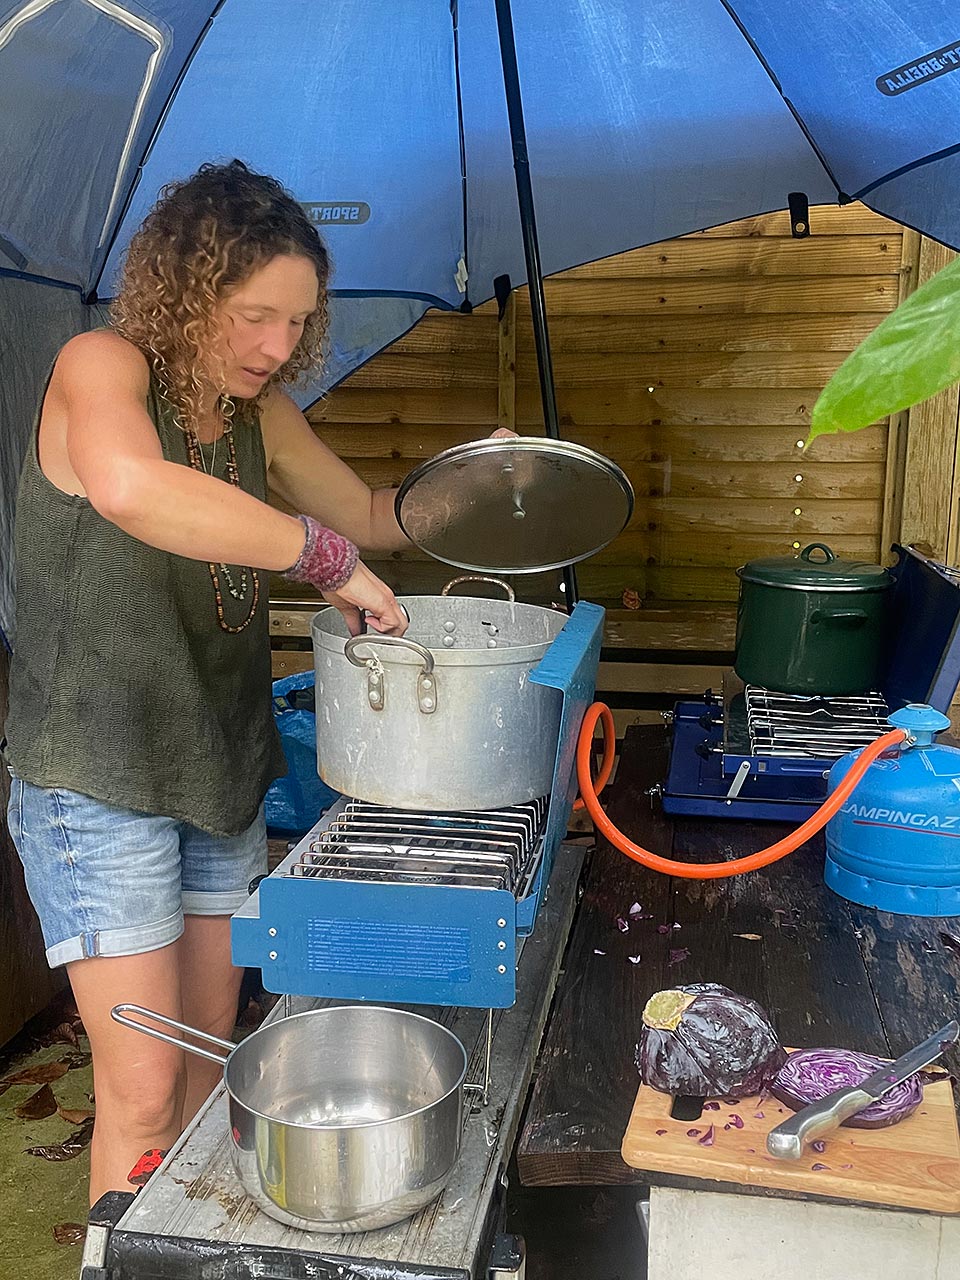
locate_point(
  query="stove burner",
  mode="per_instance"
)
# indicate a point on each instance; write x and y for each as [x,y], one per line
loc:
[814,726]
[488,849]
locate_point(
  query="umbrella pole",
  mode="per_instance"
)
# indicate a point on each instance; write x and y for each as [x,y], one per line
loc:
[531,247]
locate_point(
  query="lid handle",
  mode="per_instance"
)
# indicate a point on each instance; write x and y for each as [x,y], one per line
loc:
[818,546]
[481,577]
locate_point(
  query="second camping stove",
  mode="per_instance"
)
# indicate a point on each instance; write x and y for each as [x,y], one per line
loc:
[754,753]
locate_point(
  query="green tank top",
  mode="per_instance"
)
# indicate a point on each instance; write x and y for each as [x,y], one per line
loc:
[123,685]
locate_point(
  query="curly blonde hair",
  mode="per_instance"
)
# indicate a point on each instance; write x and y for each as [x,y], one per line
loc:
[205,235]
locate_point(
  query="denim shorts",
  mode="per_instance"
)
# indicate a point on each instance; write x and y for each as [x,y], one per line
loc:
[107,881]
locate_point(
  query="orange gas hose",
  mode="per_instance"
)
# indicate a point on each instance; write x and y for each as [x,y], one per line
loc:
[707,870]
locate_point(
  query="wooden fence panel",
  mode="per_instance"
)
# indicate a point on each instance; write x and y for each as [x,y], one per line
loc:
[694,364]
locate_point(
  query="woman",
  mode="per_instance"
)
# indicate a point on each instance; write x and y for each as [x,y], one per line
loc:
[141,736]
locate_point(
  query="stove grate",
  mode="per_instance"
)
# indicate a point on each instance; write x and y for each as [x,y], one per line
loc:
[812,726]
[486,849]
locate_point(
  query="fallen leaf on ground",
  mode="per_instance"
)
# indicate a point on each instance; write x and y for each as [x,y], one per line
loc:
[74,1061]
[631,599]
[63,1033]
[69,1233]
[69,1148]
[678,955]
[75,1115]
[42,1073]
[38,1106]
[750,937]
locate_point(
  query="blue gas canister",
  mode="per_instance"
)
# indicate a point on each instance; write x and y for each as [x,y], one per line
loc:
[895,844]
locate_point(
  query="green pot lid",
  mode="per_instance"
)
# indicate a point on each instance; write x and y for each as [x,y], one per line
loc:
[514,505]
[816,568]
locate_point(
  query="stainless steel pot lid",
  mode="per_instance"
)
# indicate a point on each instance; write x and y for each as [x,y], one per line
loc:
[515,505]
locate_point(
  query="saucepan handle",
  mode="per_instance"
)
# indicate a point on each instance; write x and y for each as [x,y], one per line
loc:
[119,1012]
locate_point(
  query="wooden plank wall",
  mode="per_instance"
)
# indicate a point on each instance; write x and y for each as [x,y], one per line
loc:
[694,364]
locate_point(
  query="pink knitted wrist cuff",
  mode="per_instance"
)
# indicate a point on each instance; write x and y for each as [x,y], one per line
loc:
[327,560]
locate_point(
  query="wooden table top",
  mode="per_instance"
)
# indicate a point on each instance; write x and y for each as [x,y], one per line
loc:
[830,973]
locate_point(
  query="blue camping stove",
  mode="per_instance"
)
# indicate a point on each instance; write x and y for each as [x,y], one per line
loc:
[754,753]
[397,906]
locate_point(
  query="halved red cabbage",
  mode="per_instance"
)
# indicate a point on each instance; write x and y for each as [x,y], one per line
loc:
[810,1074]
[704,1040]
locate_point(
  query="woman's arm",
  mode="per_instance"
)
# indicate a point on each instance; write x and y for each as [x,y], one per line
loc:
[310,478]
[114,451]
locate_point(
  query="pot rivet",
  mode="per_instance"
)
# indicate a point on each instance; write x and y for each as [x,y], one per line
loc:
[448,641]
[273,955]
[427,704]
[501,968]
[491,644]
[502,924]
[449,626]
[427,682]
[272,932]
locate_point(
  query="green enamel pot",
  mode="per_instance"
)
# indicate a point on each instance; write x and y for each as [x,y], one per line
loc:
[812,623]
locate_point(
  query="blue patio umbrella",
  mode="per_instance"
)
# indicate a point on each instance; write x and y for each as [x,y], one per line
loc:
[644,119]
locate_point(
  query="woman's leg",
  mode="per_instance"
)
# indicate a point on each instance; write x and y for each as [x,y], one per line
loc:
[216,873]
[139,1082]
[210,989]
[106,883]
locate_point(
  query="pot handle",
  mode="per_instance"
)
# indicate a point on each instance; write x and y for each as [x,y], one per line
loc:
[818,546]
[426,680]
[842,617]
[481,577]
[118,1012]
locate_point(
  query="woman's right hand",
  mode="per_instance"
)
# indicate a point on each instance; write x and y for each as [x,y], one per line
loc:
[364,595]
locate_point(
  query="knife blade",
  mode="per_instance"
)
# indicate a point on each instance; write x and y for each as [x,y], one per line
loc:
[787,1139]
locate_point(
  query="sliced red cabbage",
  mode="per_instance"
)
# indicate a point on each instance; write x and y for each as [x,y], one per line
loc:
[810,1074]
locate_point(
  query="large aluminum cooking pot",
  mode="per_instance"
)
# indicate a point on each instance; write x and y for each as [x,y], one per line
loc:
[444,717]
[812,624]
[342,1119]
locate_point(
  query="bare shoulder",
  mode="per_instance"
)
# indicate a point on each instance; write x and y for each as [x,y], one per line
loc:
[277,410]
[281,423]
[90,359]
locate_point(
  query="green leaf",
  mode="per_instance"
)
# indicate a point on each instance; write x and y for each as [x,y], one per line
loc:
[911,355]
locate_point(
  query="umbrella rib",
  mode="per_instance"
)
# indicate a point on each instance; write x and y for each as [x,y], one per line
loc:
[919,163]
[454,18]
[33,278]
[90,294]
[843,198]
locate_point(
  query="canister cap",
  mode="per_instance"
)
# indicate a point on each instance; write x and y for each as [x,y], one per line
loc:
[514,505]
[816,568]
[920,721]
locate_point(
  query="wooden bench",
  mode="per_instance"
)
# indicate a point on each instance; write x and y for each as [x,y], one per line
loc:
[829,972]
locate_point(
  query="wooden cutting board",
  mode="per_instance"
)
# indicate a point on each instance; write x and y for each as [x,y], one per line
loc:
[914,1164]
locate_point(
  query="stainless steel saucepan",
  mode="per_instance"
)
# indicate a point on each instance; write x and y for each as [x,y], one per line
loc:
[342,1119]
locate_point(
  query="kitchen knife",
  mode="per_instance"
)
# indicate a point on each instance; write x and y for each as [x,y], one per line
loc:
[787,1139]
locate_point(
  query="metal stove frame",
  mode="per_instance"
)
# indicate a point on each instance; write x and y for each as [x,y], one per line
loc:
[404,916]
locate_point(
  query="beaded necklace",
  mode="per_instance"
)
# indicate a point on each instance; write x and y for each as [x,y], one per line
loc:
[239,592]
